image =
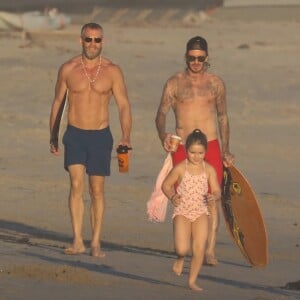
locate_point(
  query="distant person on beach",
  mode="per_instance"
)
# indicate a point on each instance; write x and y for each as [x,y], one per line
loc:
[198,100]
[190,199]
[90,81]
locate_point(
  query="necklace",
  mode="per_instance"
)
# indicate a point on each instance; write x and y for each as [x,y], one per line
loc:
[91,80]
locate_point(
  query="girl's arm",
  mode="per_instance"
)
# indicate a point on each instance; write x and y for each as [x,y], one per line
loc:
[215,190]
[168,185]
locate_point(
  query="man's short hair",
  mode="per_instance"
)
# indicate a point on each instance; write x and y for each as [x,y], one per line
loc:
[91,26]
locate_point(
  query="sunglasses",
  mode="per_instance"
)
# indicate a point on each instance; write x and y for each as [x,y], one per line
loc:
[96,40]
[191,58]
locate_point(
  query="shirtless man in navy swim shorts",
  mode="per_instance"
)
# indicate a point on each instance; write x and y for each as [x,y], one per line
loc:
[90,80]
[198,100]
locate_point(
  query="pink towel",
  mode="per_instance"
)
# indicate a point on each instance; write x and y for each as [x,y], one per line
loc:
[158,202]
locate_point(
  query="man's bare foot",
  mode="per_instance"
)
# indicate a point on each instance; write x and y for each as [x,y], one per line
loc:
[74,250]
[195,287]
[210,261]
[96,252]
[178,266]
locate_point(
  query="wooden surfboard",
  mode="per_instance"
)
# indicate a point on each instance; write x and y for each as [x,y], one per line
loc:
[243,217]
[57,124]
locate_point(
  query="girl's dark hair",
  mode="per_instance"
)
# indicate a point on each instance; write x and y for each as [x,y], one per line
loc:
[196,137]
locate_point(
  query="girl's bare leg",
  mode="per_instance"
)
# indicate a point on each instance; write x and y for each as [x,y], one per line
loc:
[199,238]
[182,238]
[178,265]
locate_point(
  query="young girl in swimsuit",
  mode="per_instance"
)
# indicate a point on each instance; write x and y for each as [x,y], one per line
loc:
[187,187]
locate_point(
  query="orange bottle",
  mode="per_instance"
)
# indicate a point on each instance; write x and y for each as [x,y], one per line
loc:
[123,158]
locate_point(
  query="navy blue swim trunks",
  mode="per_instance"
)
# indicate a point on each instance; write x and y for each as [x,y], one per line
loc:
[91,148]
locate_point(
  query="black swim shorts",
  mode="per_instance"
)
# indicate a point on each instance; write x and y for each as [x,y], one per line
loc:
[91,148]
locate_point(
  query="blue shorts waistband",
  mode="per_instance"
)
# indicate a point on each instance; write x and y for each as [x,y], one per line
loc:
[71,127]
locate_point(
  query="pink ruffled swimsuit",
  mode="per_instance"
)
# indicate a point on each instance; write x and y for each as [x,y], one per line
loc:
[192,190]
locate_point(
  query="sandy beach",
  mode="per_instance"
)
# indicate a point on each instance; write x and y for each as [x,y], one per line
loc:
[259,60]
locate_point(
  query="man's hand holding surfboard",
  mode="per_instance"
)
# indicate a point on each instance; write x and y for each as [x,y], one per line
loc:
[228,159]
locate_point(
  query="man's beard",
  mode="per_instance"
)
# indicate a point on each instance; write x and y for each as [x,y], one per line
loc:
[198,70]
[91,55]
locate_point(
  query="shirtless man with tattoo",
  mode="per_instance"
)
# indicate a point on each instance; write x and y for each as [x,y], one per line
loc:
[90,80]
[198,100]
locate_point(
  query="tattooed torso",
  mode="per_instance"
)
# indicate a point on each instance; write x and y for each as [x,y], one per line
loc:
[196,101]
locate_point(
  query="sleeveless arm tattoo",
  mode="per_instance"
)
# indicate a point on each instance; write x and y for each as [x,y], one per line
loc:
[222,117]
[166,102]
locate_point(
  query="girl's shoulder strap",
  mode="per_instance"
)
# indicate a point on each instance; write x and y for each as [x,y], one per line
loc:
[204,169]
[186,164]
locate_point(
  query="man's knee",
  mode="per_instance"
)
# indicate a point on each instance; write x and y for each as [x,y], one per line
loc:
[77,186]
[96,192]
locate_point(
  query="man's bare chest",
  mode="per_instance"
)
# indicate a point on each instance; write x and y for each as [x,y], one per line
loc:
[79,83]
[195,93]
